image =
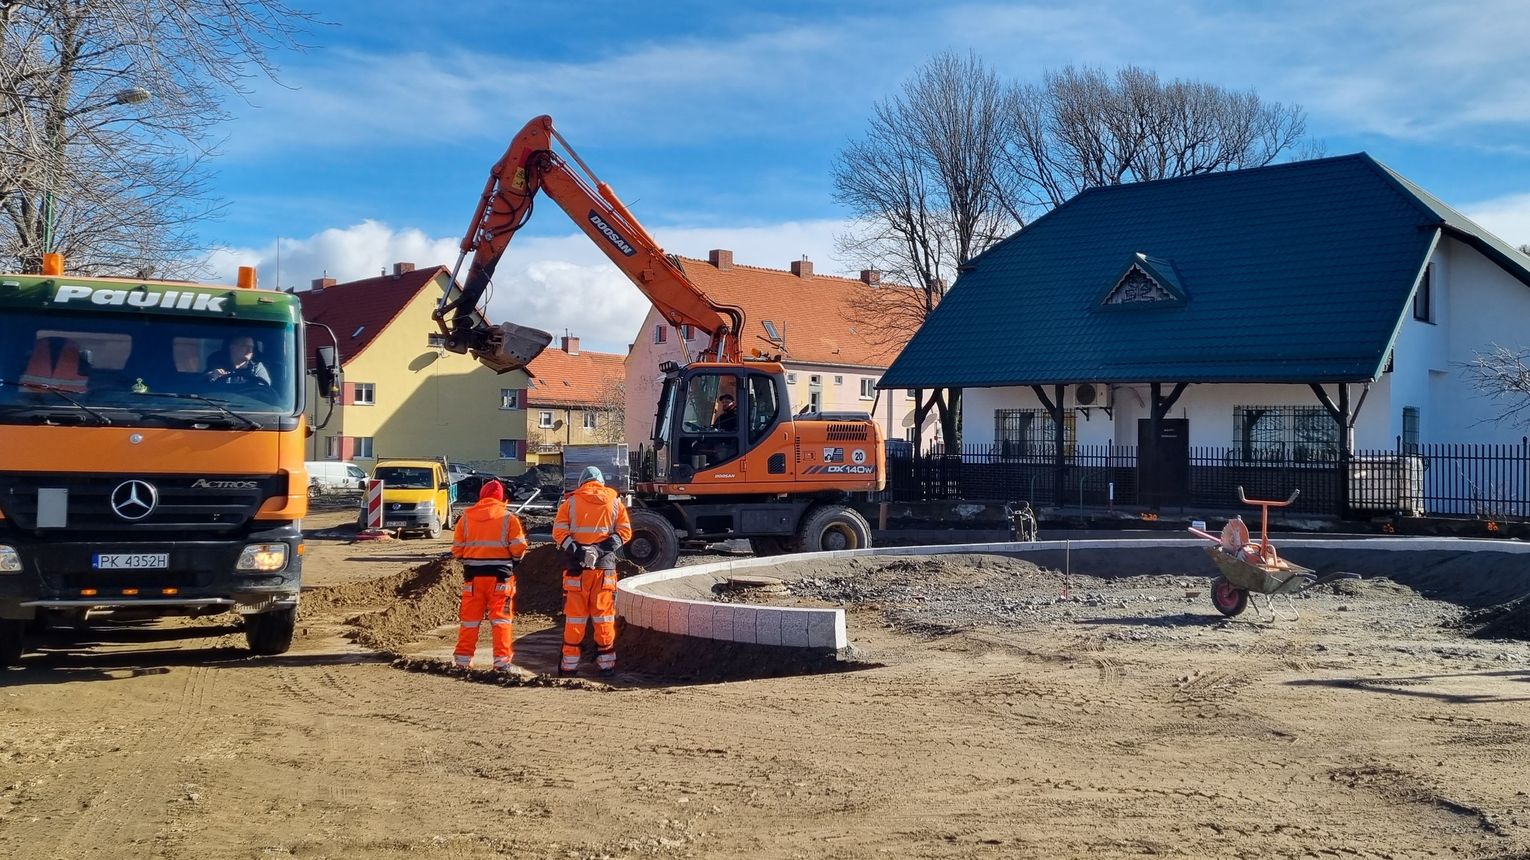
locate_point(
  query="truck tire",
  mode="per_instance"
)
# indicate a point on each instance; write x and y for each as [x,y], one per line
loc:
[12,641]
[833,527]
[435,529]
[654,544]
[270,633]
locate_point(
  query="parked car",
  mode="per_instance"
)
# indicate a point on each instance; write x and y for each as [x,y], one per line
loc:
[417,496]
[329,477]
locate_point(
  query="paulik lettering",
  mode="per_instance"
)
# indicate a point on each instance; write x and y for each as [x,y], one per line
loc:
[610,233]
[169,299]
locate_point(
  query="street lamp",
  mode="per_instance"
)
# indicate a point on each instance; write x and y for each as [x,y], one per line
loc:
[128,96]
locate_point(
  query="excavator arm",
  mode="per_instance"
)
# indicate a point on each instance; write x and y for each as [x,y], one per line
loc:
[528,166]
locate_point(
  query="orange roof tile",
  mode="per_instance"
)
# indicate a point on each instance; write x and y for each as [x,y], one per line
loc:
[579,379]
[813,313]
[358,311]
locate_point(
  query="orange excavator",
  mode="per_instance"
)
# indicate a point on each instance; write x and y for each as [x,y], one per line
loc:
[729,459]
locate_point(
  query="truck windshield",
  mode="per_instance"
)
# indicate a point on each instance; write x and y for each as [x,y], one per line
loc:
[96,363]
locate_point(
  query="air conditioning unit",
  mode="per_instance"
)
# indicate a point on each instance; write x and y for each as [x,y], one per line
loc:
[1088,395]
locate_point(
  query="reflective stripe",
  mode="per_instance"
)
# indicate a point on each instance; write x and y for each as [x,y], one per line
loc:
[480,544]
[571,583]
[605,661]
[569,664]
[499,621]
[470,624]
[576,619]
[600,619]
[463,661]
[518,542]
[501,664]
[486,562]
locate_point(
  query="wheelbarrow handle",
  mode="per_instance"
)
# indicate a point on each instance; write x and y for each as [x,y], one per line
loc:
[1248,501]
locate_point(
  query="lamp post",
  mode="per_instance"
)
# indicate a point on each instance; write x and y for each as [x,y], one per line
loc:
[128,96]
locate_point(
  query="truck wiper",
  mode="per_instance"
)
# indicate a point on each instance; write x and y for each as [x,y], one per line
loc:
[216,404]
[53,389]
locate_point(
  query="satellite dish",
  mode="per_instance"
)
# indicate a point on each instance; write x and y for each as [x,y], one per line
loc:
[558,425]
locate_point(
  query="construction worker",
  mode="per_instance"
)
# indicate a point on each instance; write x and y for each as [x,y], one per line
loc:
[489,540]
[591,526]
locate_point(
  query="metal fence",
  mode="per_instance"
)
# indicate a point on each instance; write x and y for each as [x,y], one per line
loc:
[1478,481]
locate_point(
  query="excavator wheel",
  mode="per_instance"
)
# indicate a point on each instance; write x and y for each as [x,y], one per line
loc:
[654,544]
[833,527]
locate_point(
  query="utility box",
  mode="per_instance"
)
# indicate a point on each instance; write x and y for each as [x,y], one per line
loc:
[1387,482]
[611,460]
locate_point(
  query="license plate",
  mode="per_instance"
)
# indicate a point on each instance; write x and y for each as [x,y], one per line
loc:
[131,561]
[397,524]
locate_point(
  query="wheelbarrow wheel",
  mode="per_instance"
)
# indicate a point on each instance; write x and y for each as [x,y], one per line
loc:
[1229,599]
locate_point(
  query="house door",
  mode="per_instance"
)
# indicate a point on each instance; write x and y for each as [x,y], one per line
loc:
[1163,469]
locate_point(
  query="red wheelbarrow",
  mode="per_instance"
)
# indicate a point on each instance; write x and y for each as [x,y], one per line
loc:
[1254,567]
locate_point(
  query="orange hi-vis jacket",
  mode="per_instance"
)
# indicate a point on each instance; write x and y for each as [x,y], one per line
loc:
[487,539]
[56,364]
[591,514]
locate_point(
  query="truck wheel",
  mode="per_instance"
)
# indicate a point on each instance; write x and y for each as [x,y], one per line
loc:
[270,633]
[435,530]
[12,641]
[772,545]
[654,544]
[834,527]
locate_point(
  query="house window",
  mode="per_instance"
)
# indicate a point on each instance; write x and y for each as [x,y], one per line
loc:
[815,379]
[436,340]
[545,419]
[687,332]
[363,449]
[1285,434]
[868,389]
[512,449]
[590,416]
[791,379]
[1032,433]
[660,333]
[331,447]
[509,398]
[366,394]
[839,380]
[815,401]
[1422,310]
[1410,430]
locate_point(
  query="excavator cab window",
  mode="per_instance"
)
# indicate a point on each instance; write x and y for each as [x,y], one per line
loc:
[709,426]
[764,407]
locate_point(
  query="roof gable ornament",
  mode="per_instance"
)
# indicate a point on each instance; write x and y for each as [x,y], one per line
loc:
[1145,282]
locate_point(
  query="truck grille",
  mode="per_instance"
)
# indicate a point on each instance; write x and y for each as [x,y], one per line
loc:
[180,505]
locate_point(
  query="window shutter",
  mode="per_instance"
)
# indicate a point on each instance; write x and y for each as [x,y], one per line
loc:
[347,443]
[347,397]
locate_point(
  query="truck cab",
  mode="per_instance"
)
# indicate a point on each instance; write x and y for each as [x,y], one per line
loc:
[417,496]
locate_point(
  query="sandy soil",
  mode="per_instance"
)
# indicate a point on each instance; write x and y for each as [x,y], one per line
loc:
[1000,720]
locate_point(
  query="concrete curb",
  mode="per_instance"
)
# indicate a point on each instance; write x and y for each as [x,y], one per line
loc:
[825,628]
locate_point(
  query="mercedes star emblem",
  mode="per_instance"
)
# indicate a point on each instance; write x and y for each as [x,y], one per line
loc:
[134,500]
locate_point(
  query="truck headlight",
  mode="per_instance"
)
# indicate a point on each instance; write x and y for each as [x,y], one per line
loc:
[427,505]
[10,560]
[263,557]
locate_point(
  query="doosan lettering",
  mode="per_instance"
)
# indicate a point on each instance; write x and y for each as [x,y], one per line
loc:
[610,233]
[140,298]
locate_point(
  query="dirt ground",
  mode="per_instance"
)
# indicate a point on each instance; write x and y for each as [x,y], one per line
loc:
[994,717]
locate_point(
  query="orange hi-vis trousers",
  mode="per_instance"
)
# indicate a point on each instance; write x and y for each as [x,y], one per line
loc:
[485,595]
[589,597]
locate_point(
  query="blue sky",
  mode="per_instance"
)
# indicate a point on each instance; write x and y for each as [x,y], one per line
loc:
[719,122]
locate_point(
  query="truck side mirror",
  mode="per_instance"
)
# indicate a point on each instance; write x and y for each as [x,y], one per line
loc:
[327,372]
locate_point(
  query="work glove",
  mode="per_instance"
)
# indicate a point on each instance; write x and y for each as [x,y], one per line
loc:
[591,557]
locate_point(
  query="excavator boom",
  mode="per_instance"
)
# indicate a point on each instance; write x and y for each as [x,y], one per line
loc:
[528,166]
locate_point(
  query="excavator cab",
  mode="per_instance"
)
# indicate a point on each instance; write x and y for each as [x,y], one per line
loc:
[711,417]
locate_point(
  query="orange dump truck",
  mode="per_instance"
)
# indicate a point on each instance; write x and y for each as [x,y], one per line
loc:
[151,453]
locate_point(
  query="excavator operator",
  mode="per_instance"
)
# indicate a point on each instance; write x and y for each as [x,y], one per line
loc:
[591,525]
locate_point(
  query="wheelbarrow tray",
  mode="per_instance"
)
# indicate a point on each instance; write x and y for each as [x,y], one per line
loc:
[1283,578]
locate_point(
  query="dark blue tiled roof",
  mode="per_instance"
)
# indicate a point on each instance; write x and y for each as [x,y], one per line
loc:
[1297,272]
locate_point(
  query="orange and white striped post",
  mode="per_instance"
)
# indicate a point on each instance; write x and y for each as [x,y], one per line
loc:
[374,504]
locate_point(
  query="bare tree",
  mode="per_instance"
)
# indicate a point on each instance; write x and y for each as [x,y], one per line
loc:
[1503,374]
[1080,128]
[106,113]
[926,187]
[611,412]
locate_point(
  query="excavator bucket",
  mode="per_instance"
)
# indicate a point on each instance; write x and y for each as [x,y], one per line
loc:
[508,347]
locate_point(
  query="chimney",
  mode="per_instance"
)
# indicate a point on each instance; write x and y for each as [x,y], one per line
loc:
[322,283]
[402,269]
[720,258]
[802,268]
[571,345]
[871,277]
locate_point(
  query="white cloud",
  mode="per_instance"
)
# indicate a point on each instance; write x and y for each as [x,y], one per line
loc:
[555,284]
[1508,218]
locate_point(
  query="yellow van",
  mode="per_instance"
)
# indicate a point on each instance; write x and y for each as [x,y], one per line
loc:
[417,496]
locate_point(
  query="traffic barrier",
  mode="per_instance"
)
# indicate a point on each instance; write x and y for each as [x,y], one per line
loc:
[374,505]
